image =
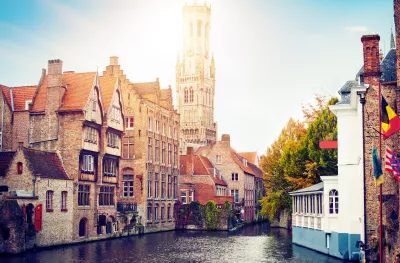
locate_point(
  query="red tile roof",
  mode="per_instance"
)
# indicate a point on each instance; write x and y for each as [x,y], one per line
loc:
[249,156]
[47,164]
[78,87]
[239,160]
[19,96]
[107,86]
[5,160]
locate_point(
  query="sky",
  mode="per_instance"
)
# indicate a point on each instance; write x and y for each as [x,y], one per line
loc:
[271,56]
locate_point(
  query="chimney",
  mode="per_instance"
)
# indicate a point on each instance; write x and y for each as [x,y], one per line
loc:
[397,37]
[226,140]
[114,61]
[54,78]
[372,71]
[189,151]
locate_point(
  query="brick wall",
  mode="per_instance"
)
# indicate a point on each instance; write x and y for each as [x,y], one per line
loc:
[6,123]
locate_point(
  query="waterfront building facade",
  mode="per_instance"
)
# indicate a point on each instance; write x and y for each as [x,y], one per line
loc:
[201,181]
[150,149]
[323,219]
[195,79]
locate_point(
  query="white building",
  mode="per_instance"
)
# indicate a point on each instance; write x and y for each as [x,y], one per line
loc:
[329,216]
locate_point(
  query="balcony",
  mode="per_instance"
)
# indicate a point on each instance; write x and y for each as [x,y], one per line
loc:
[126,207]
[308,221]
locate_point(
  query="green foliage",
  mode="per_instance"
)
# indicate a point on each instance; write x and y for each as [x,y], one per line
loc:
[212,215]
[294,160]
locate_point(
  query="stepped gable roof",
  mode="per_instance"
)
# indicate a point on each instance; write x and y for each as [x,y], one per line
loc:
[388,68]
[314,188]
[78,87]
[5,161]
[19,95]
[47,164]
[145,88]
[249,156]
[107,86]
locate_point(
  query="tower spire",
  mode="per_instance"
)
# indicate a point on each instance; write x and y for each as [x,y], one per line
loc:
[392,44]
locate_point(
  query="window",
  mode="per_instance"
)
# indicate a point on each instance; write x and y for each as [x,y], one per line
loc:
[64,195]
[199,28]
[112,140]
[157,126]
[333,202]
[49,201]
[175,133]
[163,186]
[157,148]
[191,94]
[306,204]
[129,123]
[163,129]
[191,29]
[163,153]
[169,186]
[127,147]
[175,155]
[175,187]
[169,153]
[88,163]
[90,135]
[127,182]
[186,95]
[94,102]
[244,161]
[169,132]
[191,196]
[83,195]
[169,212]
[162,213]
[149,208]
[312,204]
[156,191]
[235,194]
[149,184]
[184,201]
[115,114]
[149,150]
[82,227]
[218,159]
[150,124]
[106,196]
[19,168]
[235,177]
[319,204]
[156,212]
[110,167]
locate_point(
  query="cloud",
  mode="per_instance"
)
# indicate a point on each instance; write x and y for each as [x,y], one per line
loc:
[356,28]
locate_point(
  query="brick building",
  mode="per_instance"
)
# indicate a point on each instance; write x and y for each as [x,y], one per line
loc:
[237,172]
[14,116]
[150,149]
[39,183]
[201,181]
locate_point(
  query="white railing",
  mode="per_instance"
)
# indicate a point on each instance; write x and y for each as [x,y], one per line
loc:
[308,221]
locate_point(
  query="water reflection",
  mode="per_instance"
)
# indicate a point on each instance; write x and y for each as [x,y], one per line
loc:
[256,243]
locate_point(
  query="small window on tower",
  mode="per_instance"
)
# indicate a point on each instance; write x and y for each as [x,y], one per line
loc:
[199,28]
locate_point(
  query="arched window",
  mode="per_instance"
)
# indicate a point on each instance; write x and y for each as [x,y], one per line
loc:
[191,94]
[186,95]
[82,227]
[333,202]
[149,207]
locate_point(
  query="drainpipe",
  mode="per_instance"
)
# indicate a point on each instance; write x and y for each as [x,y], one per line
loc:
[363,101]
[34,186]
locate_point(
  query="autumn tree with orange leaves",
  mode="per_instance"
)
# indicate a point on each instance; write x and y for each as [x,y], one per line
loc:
[294,160]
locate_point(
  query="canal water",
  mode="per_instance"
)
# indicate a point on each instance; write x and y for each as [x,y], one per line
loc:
[253,243]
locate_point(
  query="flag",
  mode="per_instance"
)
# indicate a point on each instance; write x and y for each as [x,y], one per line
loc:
[389,120]
[378,175]
[392,164]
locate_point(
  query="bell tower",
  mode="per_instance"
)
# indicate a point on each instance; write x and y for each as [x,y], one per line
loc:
[195,78]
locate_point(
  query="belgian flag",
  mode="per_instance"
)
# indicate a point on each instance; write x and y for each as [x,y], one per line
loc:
[390,120]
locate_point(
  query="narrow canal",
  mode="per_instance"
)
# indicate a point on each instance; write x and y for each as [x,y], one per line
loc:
[255,243]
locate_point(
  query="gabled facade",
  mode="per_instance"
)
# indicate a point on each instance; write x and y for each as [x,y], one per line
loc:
[150,163]
[237,173]
[201,181]
[14,116]
[39,183]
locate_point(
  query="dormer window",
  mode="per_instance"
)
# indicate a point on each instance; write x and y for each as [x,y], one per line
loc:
[244,162]
[27,103]
[90,135]
[115,114]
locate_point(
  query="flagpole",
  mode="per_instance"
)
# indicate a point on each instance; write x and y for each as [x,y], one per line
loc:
[380,186]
